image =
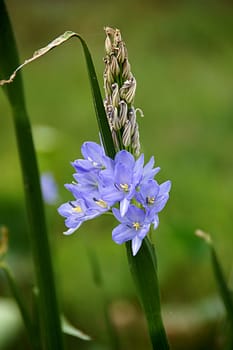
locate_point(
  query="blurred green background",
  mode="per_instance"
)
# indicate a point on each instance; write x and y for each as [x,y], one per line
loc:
[181,54]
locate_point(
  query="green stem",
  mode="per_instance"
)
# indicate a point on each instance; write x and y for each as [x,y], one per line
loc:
[49,313]
[143,267]
[21,305]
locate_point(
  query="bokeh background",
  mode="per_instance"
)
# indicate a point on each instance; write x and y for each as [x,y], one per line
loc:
[181,54]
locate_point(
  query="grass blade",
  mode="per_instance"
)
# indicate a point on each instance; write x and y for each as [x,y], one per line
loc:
[143,267]
[224,291]
[49,314]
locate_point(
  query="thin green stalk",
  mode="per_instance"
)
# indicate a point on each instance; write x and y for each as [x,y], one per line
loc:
[21,305]
[48,308]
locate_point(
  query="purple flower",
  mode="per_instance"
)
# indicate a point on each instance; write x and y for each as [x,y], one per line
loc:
[134,227]
[101,183]
[76,212]
[153,196]
[120,187]
[148,171]
[94,158]
[87,182]
[49,188]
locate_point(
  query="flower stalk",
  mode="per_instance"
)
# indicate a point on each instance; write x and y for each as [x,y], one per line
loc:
[122,184]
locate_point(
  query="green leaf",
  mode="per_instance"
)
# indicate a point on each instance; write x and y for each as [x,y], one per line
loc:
[104,128]
[143,267]
[225,292]
[48,308]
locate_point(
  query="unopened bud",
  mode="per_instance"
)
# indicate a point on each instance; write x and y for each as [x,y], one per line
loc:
[126,73]
[122,52]
[126,136]
[115,95]
[123,112]
[114,66]
[108,45]
[117,37]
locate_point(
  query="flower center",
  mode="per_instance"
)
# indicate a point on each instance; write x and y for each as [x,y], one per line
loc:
[78,209]
[136,225]
[150,200]
[101,203]
[124,187]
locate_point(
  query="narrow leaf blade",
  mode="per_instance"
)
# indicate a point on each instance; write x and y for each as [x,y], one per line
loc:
[224,291]
[143,267]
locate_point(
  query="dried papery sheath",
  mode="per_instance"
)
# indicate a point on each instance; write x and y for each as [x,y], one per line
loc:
[120,88]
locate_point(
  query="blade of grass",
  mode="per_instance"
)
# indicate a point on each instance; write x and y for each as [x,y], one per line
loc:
[49,314]
[21,305]
[144,270]
[224,291]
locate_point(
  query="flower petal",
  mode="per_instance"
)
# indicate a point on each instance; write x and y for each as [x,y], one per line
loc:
[165,187]
[136,244]
[124,205]
[122,233]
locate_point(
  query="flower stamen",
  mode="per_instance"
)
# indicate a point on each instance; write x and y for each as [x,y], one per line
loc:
[124,187]
[150,200]
[136,225]
[101,203]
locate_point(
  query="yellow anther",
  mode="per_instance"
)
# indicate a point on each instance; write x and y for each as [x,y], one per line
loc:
[136,225]
[124,187]
[101,203]
[78,209]
[150,200]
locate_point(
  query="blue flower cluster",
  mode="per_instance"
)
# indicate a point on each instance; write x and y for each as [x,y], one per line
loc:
[125,183]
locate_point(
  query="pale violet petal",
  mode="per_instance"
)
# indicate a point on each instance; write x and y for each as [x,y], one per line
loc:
[165,187]
[71,230]
[122,233]
[142,233]
[124,205]
[156,222]
[136,244]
